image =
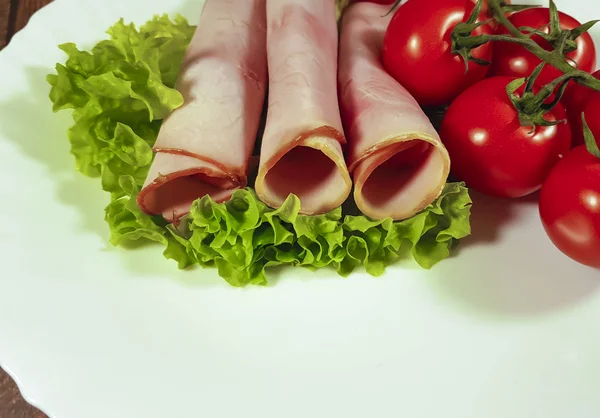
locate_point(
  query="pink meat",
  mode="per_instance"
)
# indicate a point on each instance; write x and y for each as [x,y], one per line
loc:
[302,145]
[204,147]
[397,161]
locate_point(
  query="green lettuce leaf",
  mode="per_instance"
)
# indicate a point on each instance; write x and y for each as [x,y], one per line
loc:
[243,236]
[128,223]
[120,91]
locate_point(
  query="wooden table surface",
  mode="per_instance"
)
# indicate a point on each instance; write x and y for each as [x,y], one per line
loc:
[14,14]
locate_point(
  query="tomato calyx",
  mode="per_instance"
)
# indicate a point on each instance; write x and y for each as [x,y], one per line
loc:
[590,140]
[462,41]
[532,106]
[561,40]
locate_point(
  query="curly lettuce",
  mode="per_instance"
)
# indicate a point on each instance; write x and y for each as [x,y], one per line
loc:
[243,236]
[120,91]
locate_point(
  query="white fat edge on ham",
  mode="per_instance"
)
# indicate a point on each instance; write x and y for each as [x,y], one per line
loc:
[398,163]
[301,151]
[204,147]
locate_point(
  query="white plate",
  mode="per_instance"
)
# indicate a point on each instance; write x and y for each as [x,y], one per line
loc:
[509,328]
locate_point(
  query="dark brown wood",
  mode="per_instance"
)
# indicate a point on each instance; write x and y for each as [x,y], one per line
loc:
[4,21]
[14,15]
[12,404]
[24,11]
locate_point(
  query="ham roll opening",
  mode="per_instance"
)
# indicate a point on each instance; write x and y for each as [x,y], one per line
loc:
[302,146]
[204,147]
[398,163]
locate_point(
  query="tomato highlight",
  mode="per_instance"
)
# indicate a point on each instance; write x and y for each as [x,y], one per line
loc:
[570,206]
[417,50]
[489,147]
[514,60]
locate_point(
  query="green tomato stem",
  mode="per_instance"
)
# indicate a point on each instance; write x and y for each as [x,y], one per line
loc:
[553,58]
[590,141]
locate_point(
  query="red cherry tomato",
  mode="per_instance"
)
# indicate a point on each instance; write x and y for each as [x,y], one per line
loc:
[489,148]
[515,61]
[417,50]
[570,206]
[575,100]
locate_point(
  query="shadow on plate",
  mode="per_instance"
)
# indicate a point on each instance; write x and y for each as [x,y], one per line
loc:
[488,216]
[275,275]
[146,261]
[516,286]
[28,121]
[40,134]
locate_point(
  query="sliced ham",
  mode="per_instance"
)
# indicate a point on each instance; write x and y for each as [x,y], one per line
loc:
[397,161]
[302,146]
[204,147]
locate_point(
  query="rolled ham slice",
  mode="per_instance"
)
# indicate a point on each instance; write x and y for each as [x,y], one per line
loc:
[204,147]
[301,151]
[397,161]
